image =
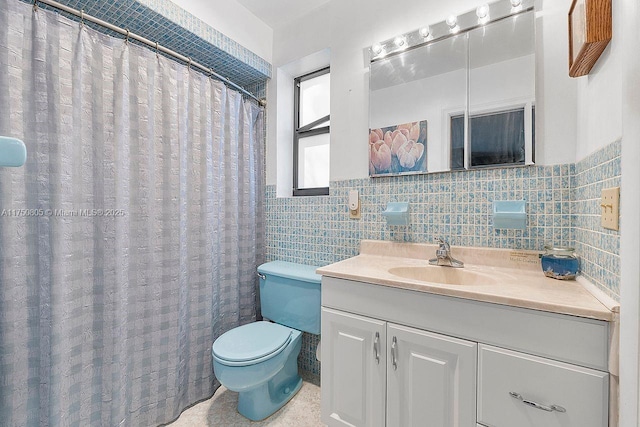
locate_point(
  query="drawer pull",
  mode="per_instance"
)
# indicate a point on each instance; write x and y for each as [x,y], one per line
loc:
[376,348]
[394,362]
[537,405]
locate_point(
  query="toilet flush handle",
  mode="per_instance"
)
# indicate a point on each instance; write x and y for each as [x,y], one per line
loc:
[262,276]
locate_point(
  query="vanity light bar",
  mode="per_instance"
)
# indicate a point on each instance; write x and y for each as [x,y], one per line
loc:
[454,24]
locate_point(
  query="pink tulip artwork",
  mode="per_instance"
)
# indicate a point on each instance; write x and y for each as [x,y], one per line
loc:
[400,149]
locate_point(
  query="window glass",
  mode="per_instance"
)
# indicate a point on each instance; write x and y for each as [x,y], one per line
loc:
[314,99]
[313,161]
[497,138]
[311,134]
[457,142]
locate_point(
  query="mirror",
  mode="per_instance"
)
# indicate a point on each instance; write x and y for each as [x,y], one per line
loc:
[425,84]
[502,92]
[473,92]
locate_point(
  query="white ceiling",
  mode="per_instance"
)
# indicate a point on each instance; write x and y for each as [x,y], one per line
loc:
[277,12]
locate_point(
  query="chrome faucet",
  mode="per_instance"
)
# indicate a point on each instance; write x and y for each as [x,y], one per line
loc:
[443,256]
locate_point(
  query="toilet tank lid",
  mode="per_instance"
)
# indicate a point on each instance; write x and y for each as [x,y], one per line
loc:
[291,270]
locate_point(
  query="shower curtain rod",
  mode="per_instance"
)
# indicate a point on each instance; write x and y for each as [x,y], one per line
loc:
[84,17]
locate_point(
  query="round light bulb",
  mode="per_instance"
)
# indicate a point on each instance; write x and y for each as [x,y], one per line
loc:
[483,11]
[399,41]
[452,21]
[376,48]
[516,3]
[424,32]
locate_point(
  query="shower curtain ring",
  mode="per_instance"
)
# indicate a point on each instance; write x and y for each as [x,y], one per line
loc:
[81,18]
[157,49]
[35,5]
[126,40]
[189,64]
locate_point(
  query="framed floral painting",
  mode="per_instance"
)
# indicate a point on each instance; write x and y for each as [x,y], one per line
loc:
[397,150]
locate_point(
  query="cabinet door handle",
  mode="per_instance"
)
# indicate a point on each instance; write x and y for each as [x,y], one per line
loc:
[376,348]
[536,405]
[394,361]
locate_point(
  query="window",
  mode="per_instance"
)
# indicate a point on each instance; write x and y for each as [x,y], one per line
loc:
[457,142]
[311,134]
[497,138]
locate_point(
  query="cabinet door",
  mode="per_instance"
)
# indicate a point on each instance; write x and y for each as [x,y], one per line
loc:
[431,379]
[353,370]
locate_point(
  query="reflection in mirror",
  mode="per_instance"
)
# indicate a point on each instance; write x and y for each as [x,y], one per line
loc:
[473,92]
[501,93]
[426,84]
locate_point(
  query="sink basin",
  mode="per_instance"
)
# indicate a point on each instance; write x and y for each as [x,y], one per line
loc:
[443,275]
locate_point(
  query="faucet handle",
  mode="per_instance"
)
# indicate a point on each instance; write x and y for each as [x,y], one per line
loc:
[443,250]
[443,243]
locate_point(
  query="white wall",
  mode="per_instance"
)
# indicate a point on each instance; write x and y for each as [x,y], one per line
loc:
[299,47]
[234,21]
[349,27]
[600,95]
[556,92]
[626,14]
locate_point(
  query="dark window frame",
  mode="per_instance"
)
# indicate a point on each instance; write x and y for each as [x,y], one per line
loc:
[306,131]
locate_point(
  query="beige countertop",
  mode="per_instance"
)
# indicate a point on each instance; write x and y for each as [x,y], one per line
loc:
[509,277]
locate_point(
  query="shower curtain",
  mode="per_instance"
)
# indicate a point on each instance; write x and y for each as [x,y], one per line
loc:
[129,240]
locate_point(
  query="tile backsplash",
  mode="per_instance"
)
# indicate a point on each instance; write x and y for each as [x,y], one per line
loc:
[598,247]
[562,203]
[454,205]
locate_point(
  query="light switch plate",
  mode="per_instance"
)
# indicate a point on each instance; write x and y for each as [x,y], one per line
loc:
[610,207]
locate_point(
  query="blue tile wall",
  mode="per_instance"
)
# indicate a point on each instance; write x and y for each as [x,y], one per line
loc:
[177,29]
[599,248]
[454,205]
[307,358]
[562,203]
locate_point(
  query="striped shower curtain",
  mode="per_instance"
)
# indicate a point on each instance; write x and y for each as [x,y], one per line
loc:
[129,240]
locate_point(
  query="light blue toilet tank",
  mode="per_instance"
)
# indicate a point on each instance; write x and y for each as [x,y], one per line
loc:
[290,295]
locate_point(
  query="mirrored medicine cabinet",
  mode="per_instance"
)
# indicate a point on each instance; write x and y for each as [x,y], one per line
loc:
[474,88]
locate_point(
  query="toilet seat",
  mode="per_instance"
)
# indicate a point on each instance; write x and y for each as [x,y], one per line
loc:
[250,344]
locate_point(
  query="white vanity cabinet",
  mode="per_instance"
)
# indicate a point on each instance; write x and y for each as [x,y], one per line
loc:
[386,374]
[399,357]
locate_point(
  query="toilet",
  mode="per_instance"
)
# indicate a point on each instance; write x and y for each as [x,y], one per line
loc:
[260,360]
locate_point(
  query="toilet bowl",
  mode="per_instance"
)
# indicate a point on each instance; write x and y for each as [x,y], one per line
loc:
[260,360]
[265,375]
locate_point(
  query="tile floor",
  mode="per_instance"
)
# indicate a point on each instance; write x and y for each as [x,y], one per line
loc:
[220,411]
